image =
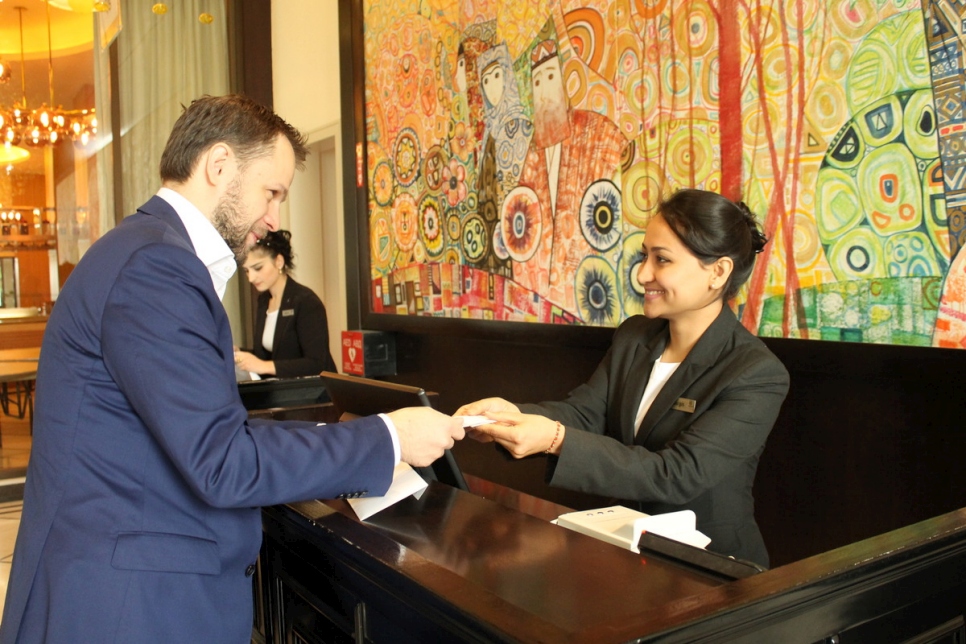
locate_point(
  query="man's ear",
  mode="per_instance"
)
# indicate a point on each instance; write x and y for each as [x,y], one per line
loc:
[218,164]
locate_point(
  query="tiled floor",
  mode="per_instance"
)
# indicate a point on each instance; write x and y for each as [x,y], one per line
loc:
[14,452]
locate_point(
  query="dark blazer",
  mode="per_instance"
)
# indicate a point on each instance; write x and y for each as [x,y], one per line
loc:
[703,460]
[301,342]
[140,519]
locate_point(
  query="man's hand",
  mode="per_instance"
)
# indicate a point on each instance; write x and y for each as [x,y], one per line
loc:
[424,434]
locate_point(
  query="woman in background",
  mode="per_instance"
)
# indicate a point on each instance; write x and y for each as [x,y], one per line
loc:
[291,329]
[677,413]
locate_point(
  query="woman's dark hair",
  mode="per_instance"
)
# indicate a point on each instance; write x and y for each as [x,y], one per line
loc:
[712,226]
[248,127]
[275,243]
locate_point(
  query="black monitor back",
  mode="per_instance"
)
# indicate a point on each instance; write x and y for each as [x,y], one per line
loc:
[354,396]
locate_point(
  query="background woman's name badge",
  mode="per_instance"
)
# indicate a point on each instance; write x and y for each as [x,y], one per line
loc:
[685,404]
[287,313]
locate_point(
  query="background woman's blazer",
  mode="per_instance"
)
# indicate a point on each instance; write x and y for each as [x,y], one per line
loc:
[141,516]
[704,460]
[301,341]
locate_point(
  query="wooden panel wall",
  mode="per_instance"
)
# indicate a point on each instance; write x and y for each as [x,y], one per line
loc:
[34,276]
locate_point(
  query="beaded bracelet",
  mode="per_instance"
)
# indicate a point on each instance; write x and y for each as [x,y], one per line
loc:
[555,437]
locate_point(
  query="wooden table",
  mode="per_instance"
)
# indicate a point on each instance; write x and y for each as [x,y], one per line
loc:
[25,354]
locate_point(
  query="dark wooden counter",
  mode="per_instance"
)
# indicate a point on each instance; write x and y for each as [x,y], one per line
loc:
[455,566]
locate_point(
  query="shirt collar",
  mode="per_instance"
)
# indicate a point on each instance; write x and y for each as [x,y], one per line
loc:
[209,245]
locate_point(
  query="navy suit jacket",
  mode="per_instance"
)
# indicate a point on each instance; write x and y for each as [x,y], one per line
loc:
[140,514]
[300,346]
[701,457]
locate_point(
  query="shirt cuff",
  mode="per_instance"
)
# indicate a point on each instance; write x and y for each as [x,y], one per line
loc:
[395,437]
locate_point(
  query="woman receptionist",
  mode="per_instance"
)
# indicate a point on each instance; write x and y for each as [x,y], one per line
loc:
[291,328]
[676,415]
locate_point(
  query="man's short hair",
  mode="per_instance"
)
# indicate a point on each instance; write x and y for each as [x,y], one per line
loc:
[250,129]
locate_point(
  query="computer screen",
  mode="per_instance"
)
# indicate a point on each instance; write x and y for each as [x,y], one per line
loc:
[282,392]
[355,396]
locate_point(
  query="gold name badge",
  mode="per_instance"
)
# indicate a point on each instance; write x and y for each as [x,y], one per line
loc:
[685,404]
[287,313]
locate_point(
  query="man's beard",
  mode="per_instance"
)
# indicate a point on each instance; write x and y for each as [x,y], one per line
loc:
[230,221]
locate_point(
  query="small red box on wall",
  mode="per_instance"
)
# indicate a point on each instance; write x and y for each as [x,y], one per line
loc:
[368,353]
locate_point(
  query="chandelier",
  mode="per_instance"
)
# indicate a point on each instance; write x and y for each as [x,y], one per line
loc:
[44,125]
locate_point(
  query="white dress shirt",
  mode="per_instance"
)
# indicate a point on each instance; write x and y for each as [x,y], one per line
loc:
[209,245]
[212,250]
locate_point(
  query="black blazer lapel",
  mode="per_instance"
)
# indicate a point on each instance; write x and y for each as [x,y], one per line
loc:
[702,357]
[636,379]
[283,321]
[673,389]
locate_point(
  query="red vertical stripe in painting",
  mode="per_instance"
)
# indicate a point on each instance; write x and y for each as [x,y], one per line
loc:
[729,103]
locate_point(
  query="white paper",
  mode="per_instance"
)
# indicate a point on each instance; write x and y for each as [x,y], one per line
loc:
[405,482]
[679,526]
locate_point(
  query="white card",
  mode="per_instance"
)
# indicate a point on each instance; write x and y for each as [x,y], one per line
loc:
[476,421]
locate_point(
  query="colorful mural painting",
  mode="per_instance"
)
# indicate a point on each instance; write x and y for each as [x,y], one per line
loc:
[517,149]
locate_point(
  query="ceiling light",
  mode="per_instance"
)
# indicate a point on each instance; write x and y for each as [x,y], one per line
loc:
[47,124]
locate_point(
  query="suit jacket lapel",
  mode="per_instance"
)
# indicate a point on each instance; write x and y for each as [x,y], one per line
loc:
[702,357]
[283,321]
[637,377]
[158,207]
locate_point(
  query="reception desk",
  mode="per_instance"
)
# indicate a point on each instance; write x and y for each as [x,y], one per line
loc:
[488,566]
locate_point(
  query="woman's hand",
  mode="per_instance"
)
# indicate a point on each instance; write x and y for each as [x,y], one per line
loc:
[248,362]
[521,434]
[480,407]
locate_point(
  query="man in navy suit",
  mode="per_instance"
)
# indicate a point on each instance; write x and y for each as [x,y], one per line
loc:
[140,518]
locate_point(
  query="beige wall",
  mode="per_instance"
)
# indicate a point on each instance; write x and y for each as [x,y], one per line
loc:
[305,70]
[305,62]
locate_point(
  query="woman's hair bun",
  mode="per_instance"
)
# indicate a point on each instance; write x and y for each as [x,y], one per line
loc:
[278,242]
[758,239]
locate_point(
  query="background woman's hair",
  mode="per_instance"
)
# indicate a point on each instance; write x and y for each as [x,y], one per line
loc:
[712,226]
[275,243]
